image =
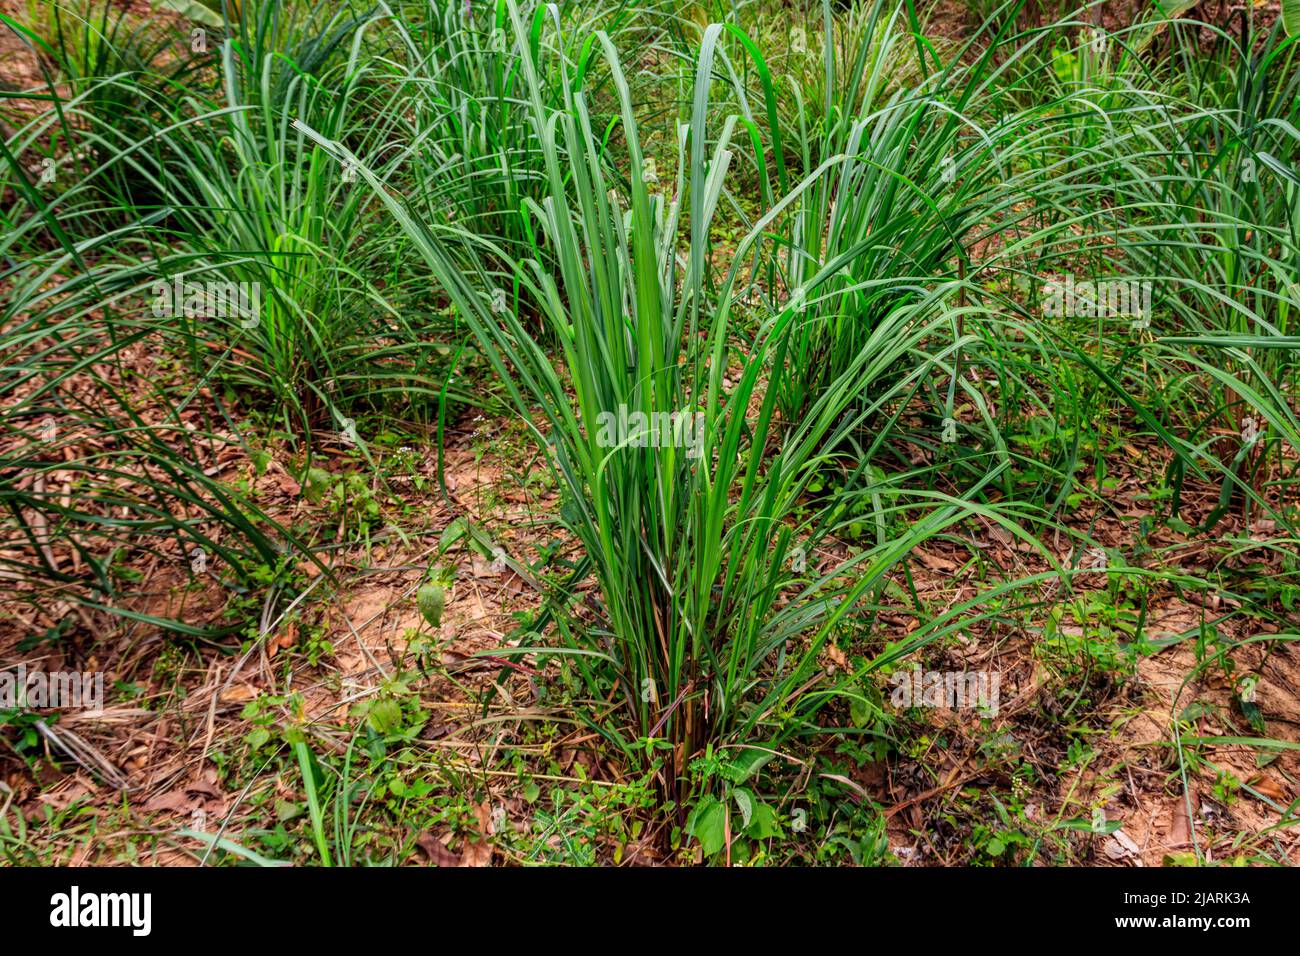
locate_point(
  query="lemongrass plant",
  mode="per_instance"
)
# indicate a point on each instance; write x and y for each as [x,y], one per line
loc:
[714,604]
[210,186]
[456,69]
[1188,188]
[929,151]
[100,464]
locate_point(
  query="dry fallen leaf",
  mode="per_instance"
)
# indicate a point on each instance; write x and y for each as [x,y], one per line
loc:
[934,562]
[514,585]
[837,657]
[1120,846]
[238,694]
[199,793]
[284,639]
[436,850]
[479,853]
[1269,788]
